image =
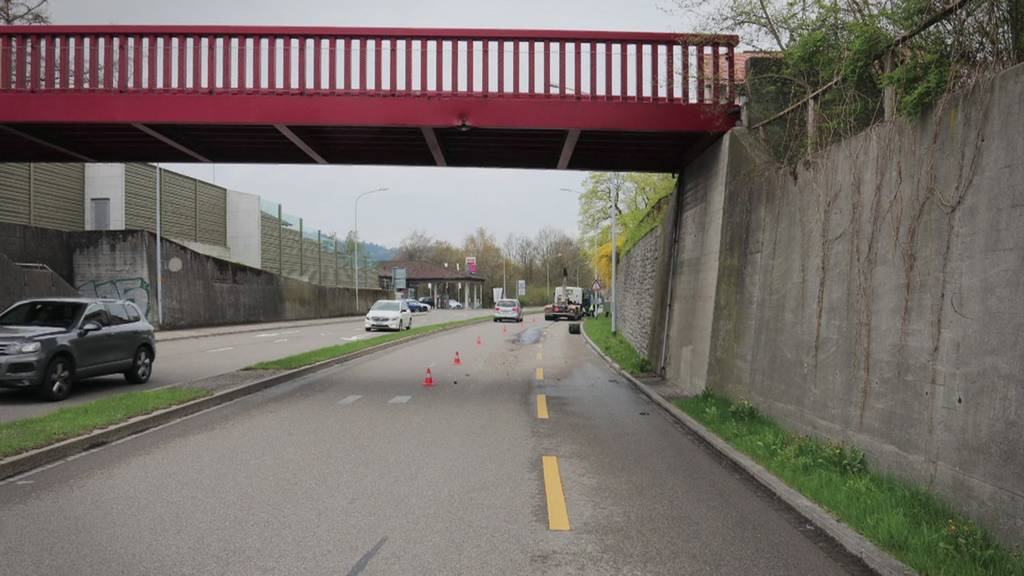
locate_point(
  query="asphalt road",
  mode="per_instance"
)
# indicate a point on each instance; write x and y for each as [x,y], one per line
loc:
[190,359]
[360,469]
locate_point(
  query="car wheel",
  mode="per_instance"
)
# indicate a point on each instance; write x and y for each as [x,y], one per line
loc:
[368,329]
[142,366]
[57,380]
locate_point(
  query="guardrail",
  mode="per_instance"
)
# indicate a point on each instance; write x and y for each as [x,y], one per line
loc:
[640,67]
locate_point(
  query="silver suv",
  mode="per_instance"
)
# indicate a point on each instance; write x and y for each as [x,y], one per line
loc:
[47,344]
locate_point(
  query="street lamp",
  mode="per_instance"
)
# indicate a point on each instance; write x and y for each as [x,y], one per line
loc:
[615,250]
[355,251]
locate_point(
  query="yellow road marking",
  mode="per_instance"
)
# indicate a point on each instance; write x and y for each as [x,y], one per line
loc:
[558,514]
[542,406]
[540,356]
[540,373]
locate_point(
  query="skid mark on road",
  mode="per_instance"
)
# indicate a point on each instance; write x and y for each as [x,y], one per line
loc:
[558,514]
[365,559]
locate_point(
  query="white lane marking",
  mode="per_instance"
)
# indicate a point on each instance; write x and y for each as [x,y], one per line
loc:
[351,338]
[222,349]
[399,400]
[280,340]
[286,333]
[267,335]
[349,400]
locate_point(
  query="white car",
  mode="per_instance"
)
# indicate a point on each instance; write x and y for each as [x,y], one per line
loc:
[388,315]
[455,305]
[508,309]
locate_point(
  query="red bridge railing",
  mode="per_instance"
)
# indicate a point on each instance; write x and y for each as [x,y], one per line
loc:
[640,67]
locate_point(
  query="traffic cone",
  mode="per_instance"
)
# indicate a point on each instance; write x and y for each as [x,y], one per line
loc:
[478,342]
[457,361]
[429,380]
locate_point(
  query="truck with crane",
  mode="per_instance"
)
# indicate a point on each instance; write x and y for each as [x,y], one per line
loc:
[568,302]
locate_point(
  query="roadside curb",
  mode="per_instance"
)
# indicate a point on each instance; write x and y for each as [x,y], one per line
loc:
[876,559]
[248,328]
[21,463]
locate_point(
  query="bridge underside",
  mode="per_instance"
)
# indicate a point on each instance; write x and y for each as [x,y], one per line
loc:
[563,133]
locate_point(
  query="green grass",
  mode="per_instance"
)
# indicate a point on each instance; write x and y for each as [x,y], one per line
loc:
[908,522]
[23,435]
[600,331]
[331,352]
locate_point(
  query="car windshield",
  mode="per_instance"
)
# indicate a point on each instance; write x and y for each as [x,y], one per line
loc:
[49,314]
[507,303]
[385,306]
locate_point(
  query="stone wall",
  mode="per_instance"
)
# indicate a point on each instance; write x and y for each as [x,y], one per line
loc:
[873,294]
[636,286]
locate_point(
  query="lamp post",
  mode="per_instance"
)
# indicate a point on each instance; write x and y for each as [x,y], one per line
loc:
[355,251]
[614,196]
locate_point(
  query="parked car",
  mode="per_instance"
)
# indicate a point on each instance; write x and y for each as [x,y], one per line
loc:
[508,309]
[49,344]
[416,306]
[389,315]
[455,305]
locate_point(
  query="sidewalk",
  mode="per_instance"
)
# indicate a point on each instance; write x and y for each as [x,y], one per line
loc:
[167,335]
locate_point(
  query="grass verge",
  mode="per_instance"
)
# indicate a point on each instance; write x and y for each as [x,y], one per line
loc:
[331,352]
[600,331]
[31,433]
[908,522]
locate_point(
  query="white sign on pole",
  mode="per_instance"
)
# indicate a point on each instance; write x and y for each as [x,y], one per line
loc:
[521,288]
[399,276]
[597,285]
[499,293]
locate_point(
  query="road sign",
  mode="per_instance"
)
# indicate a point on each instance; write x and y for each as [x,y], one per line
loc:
[499,293]
[471,264]
[521,288]
[597,285]
[399,276]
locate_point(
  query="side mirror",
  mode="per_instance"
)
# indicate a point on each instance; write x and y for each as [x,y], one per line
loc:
[90,326]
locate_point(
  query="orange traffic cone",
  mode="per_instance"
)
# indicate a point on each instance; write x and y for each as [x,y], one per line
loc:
[478,342]
[429,380]
[457,361]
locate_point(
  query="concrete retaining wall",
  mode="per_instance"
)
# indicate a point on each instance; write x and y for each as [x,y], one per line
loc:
[17,283]
[872,295]
[199,290]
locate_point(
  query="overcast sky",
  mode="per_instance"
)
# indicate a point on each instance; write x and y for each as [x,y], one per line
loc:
[447,203]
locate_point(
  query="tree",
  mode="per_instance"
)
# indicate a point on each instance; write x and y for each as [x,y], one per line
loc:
[21,12]
[417,246]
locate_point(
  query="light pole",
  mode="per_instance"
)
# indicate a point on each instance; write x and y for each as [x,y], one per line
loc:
[615,254]
[615,250]
[355,250]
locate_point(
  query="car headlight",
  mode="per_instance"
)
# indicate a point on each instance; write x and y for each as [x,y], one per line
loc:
[29,347]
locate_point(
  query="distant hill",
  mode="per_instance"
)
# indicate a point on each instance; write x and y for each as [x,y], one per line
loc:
[379,253]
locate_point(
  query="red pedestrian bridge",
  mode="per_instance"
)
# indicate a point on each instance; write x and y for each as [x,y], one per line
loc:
[397,96]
